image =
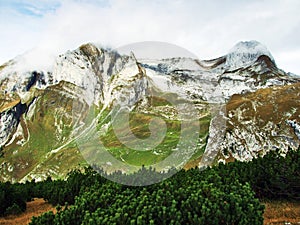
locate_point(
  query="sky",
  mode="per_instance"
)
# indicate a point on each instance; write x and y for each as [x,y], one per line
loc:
[43,29]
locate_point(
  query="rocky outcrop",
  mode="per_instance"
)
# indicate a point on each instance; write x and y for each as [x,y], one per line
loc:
[9,121]
[261,121]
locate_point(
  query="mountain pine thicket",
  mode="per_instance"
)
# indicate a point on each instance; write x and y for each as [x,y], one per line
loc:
[223,194]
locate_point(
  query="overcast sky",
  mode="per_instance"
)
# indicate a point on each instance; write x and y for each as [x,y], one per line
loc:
[208,29]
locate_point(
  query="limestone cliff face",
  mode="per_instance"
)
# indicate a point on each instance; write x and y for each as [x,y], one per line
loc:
[38,129]
[10,118]
[262,121]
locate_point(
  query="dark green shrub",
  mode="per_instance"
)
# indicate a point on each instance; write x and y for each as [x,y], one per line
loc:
[189,197]
[13,210]
[11,198]
[224,194]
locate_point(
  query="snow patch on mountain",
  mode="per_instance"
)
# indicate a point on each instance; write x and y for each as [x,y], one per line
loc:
[296,126]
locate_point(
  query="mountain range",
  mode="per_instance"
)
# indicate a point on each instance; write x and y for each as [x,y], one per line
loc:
[241,104]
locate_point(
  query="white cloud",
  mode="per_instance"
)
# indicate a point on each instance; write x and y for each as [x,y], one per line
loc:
[206,28]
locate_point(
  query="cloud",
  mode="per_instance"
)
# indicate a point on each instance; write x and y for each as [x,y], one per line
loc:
[206,28]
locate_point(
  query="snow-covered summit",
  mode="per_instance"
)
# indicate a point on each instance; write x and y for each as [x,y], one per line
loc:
[245,53]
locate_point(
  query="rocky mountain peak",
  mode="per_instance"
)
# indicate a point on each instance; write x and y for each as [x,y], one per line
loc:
[246,53]
[90,50]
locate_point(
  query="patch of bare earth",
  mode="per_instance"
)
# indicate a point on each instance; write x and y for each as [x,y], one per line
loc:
[34,208]
[277,212]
